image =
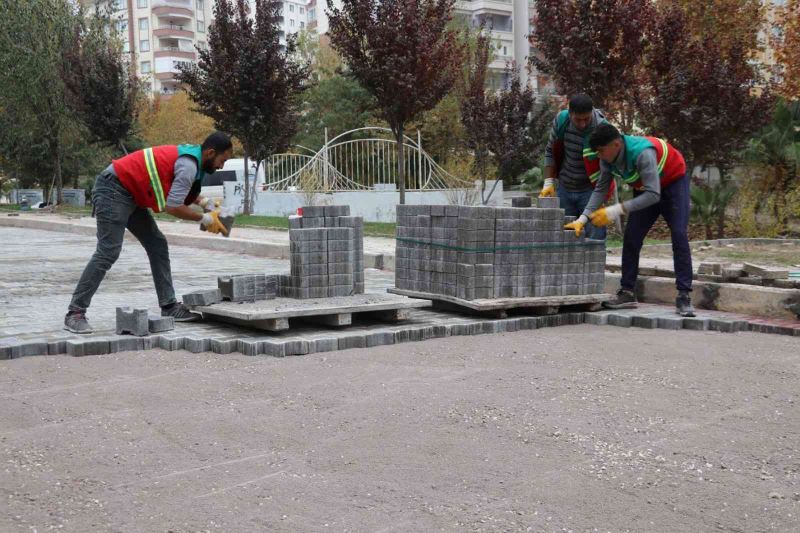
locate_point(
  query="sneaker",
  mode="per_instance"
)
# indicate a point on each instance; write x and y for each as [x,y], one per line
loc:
[624,299]
[683,304]
[75,322]
[180,313]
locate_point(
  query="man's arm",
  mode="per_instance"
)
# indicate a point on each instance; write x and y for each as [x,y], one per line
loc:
[600,189]
[647,166]
[185,172]
[549,161]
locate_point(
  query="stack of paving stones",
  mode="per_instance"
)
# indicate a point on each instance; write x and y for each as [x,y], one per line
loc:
[489,252]
[237,288]
[424,324]
[326,247]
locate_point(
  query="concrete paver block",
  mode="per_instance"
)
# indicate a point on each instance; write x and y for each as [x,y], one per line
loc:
[132,321]
[157,323]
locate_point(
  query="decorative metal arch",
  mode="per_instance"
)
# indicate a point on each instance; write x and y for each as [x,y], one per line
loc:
[351,162]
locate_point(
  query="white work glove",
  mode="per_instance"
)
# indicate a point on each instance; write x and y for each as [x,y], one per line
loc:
[605,216]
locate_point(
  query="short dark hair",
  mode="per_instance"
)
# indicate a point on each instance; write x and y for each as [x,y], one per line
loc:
[581,103]
[217,141]
[603,135]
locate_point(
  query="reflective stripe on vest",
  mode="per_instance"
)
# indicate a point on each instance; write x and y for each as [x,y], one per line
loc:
[155,180]
[633,178]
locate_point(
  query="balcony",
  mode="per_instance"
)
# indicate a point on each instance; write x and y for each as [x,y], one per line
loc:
[175,52]
[500,7]
[173,30]
[186,4]
[173,12]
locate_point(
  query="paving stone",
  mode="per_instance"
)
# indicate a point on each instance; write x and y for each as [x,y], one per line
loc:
[596,319]
[224,346]
[157,323]
[126,344]
[352,341]
[27,349]
[670,322]
[325,344]
[80,348]
[296,347]
[204,297]
[313,211]
[170,343]
[644,321]
[132,321]
[619,320]
[379,338]
[723,325]
[57,347]
[696,323]
[521,201]
[196,345]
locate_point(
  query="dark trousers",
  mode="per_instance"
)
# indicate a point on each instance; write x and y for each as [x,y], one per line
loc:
[674,207]
[115,210]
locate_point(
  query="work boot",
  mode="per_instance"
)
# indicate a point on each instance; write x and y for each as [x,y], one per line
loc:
[683,304]
[180,313]
[76,322]
[624,299]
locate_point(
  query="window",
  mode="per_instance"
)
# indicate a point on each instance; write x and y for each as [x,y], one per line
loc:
[311,15]
[122,26]
[144,24]
[291,23]
[291,8]
[117,5]
[145,69]
[302,10]
[200,5]
[141,4]
[201,26]
[144,45]
[505,51]
[302,24]
[126,47]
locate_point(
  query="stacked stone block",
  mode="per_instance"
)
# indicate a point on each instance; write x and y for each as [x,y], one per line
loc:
[326,247]
[247,287]
[486,252]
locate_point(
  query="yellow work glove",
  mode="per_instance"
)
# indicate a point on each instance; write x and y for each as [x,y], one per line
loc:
[211,222]
[578,225]
[605,216]
[549,189]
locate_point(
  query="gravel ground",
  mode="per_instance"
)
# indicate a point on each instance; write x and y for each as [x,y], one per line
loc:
[577,428]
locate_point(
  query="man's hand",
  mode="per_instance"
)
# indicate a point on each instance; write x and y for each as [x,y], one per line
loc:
[207,204]
[549,189]
[578,225]
[212,223]
[605,216]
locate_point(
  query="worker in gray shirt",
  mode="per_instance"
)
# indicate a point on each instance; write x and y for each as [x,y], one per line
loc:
[161,179]
[569,159]
[657,173]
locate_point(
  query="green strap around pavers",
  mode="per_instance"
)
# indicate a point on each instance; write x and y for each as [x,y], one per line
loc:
[502,248]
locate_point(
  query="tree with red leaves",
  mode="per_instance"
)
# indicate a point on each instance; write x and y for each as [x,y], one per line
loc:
[403,53]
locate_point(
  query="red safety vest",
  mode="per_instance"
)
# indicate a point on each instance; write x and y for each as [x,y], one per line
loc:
[148,174]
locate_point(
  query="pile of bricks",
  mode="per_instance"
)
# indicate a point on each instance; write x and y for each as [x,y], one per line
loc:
[326,252]
[486,252]
[245,288]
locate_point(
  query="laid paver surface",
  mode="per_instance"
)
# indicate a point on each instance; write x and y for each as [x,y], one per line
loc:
[41,268]
[578,428]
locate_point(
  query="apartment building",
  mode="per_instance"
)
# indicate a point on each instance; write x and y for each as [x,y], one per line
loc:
[161,35]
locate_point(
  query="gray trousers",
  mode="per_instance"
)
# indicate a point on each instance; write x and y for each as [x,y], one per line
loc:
[115,210]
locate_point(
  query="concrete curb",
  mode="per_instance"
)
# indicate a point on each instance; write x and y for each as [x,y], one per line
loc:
[220,244]
[722,242]
[728,297]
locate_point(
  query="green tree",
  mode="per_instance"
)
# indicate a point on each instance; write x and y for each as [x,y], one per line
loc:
[247,82]
[35,37]
[337,103]
[403,53]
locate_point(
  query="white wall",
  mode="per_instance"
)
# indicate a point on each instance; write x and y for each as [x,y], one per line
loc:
[374,206]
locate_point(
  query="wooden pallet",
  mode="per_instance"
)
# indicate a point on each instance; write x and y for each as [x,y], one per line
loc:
[274,315]
[499,307]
